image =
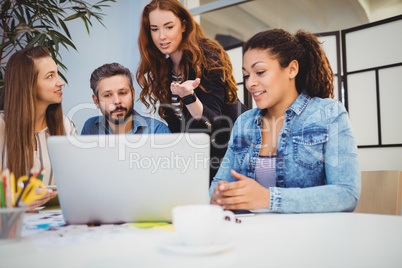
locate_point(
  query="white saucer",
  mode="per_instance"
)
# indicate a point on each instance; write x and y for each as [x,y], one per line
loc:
[174,245]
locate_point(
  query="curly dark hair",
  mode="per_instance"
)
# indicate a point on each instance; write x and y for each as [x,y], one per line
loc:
[315,76]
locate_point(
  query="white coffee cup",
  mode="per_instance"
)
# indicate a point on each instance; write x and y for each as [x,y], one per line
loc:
[199,225]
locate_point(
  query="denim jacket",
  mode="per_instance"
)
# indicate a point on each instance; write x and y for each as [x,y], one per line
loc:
[317,167]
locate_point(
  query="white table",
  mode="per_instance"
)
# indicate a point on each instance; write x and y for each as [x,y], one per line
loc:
[265,240]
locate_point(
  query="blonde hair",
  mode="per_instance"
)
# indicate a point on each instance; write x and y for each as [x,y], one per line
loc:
[19,109]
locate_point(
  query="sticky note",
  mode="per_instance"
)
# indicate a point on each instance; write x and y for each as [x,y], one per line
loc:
[148,224]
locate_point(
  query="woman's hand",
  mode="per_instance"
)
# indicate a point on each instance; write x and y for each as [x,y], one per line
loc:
[216,195]
[41,201]
[245,193]
[186,88]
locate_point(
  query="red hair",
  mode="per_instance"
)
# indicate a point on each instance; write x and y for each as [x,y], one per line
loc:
[199,53]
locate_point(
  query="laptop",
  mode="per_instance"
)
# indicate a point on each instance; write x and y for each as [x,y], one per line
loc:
[129,178]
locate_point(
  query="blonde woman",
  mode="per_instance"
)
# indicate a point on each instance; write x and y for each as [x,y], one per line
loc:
[32,112]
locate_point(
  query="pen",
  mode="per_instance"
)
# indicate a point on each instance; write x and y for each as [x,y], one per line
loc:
[24,186]
[2,193]
[12,188]
[40,176]
[36,175]
[8,188]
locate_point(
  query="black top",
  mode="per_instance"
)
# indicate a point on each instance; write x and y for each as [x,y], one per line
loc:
[212,102]
[217,115]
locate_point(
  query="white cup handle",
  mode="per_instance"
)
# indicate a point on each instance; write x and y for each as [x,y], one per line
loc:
[229,216]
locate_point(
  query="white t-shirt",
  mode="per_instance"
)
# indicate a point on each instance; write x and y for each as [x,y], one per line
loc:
[41,155]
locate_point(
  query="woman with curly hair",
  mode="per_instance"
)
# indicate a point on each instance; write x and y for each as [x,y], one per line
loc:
[187,75]
[296,152]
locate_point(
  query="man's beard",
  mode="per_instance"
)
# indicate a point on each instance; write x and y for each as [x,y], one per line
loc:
[120,119]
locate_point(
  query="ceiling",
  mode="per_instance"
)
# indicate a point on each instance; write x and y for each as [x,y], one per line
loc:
[242,21]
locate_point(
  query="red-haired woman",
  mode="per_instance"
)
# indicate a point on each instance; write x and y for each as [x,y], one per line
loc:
[188,75]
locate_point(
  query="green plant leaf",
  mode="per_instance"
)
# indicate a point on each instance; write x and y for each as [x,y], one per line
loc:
[86,24]
[28,23]
[5,44]
[61,65]
[104,1]
[34,40]
[76,15]
[42,40]
[52,18]
[28,14]
[55,39]
[64,26]
[63,38]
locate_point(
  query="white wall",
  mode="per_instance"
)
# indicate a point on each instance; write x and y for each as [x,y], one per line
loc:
[362,53]
[380,158]
[115,43]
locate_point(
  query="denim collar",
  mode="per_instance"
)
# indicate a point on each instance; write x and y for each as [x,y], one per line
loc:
[300,103]
[138,122]
[297,106]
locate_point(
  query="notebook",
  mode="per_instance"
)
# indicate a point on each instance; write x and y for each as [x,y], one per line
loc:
[126,178]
